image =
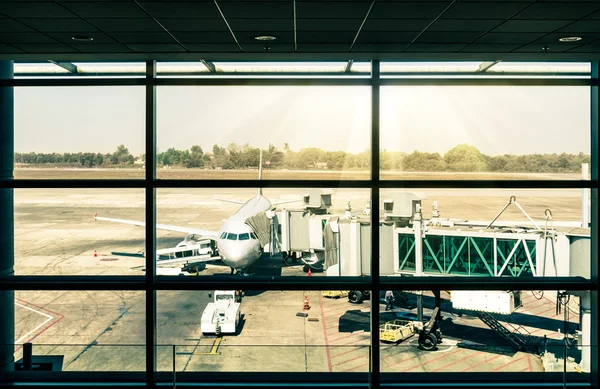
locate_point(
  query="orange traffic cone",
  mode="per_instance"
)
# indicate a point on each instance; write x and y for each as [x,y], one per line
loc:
[306,303]
[95,255]
[309,272]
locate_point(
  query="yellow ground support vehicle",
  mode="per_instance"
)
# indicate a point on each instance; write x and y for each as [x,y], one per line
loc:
[334,294]
[396,331]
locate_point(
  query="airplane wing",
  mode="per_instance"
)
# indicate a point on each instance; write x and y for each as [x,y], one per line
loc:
[285,201]
[166,227]
[232,201]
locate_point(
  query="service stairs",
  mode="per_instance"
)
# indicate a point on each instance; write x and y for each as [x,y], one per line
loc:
[515,334]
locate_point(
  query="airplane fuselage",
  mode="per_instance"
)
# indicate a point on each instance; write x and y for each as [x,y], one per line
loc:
[238,246]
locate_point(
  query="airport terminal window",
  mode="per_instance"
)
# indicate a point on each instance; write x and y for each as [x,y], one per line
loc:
[466,219]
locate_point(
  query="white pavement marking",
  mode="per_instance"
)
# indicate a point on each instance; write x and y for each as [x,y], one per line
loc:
[36,328]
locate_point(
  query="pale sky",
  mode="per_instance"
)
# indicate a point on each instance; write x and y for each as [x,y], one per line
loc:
[496,120]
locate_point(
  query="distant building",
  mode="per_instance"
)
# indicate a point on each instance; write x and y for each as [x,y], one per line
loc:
[321,165]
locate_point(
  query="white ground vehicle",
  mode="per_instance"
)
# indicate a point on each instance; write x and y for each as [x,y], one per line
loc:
[222,316]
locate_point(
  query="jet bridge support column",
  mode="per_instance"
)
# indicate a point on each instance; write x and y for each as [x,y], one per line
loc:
[7,298]
[418,227]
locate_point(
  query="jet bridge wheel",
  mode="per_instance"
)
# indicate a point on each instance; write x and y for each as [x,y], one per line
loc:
[355,297]
[428,341]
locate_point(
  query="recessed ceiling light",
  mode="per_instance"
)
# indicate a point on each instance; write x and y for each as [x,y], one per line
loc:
[265,38]
[571,39]
[82,38]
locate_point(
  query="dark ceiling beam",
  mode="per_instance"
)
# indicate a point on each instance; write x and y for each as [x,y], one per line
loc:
[361,26]
[228,26]
[430,24]
[211,66]
[348,67]
[68,66]
[485,66]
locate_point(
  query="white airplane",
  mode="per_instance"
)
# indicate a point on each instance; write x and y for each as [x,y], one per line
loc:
[237,244]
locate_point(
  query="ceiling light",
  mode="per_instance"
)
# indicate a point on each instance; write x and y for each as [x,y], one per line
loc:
[82,38]
[265,38]
[571,39]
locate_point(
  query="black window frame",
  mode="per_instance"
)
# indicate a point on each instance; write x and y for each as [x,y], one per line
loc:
[151,283]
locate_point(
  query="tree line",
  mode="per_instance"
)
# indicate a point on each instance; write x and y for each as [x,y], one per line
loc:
[462,158]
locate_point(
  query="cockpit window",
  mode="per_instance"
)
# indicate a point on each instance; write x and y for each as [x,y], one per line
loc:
[245,236]
[253,236]
[231,236]
[223,235]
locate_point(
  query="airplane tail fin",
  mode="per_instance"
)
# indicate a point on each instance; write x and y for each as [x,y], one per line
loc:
[260,167]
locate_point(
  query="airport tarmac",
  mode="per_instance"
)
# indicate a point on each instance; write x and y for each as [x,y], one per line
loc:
[105,331]
[55,233]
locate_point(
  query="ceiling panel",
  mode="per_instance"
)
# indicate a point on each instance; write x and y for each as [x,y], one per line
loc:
[115,25]
[9,49]
[509,37]
[332,10]
[395,24]
[191,25]
[409,9]
[484,10]
[46,48]
[594,16]
[273,47]
[59,25]
[101,47]
[10,25]
[531,25]
[490,47]
[143,37]
[323,47]
[25,37]
[203,37]
[582,26]
[257,9]
[433,47]
[22,9]
[266,25]
[554,38]
[67,38]
[248,36]
[378,47]
[155,48]
[326,37]
[181,9]
[558,10]
[540,48]
[448,37]
[328,24]
[593,47]
[464,24]
[106,9]
[386,37]
[213,48]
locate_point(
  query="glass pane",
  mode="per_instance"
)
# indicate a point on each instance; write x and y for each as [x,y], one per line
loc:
[324,231]
[481,132]
[82,330]
[66,69]
[56,232]
[305,132]
[263,331]
[541,67]
[429,67]
[486,331]
[534,233]
[79,132]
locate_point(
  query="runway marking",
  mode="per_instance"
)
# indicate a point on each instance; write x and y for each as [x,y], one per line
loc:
[510,363]
[325,333]
[49,318]
[481,363]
